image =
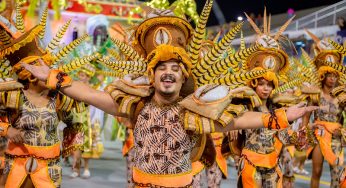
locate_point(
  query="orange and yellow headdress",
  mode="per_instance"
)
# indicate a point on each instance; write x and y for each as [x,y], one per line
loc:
[21,45]
[269,56]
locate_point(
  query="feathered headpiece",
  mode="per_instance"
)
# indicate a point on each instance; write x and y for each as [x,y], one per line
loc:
[270,55]
[20,45]
[164,37]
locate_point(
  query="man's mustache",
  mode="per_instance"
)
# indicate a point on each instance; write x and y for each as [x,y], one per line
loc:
[170,77]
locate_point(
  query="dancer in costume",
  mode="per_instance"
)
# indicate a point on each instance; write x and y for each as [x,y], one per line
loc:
[328,136]
[261,148]
[167,126]
[33,111]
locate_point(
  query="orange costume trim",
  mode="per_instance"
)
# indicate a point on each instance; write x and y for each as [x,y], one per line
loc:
[3,128]
[18,173]
[52,80]
[2,162]
[169,180]
[260,160]
[129,143]
[220,159]
[282,121]
[248,176]
[325,141]
[197,167]
[264,160]
[46,152]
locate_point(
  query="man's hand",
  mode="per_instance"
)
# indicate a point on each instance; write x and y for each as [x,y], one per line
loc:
[15,135]
[298,110]
[40,72]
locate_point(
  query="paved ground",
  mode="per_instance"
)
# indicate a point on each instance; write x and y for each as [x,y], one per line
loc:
[109,172]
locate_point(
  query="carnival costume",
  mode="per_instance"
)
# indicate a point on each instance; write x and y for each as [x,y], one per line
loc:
[38,157]
[260,149]
[168,138]
[328,59]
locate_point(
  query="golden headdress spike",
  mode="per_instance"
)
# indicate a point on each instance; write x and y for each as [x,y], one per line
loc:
[338,47]
[78,63]
[56,40]
[110,73]
[309,60]
[216,38]
[253,24]
[114,54]
[336,66]
[43,22]
[286,86]
[231,79]
[242,41]
[222,66]
[131,66]
[217,50]
[214,54]
[19,19]
[314,37]
[269,22]
[283,28]
[4,37]
[127,50]
[265,24]
[68,48]
[194,45]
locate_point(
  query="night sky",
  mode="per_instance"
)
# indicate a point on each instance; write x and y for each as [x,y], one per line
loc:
[234,8]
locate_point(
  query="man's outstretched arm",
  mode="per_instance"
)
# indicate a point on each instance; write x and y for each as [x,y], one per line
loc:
[100,99]
[78,90]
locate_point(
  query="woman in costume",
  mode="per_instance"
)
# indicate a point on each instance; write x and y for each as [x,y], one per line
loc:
[260,149]
[33,111]
[328,137]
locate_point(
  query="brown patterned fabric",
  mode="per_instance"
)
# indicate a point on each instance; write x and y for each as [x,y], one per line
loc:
[129,164]
[162,145]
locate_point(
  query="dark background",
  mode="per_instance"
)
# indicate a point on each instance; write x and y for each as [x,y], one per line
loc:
[234,8]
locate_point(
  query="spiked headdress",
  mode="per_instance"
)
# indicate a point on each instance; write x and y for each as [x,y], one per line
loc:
[270,56]
[328,55]
[20,45]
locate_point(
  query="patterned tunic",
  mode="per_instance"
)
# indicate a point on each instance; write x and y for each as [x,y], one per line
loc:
[162,145]
[40,129]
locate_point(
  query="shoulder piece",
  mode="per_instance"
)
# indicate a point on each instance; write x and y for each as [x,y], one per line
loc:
[10,85]
[286,99]
[137,86]
[10,99]
[65,103]
[212,100]
[340,93]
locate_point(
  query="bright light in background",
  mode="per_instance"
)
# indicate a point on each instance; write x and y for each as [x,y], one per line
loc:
[240,18]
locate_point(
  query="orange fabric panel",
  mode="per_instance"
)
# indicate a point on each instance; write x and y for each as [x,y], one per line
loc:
[248,176]
[39,177]
[264,160]
[221,161]
[325,140]
[47,152]
[129,143]
[171,180]
[197,167]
